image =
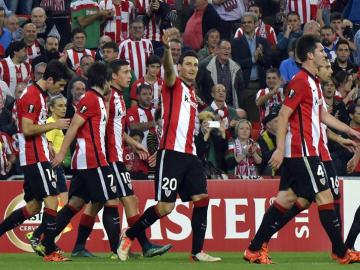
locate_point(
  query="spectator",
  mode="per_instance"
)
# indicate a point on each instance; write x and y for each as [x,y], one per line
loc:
[221,70]
[157,17]
[51,52]
[212,39]
[334,105]
[12,25]
[78,38]
[5,35]
[4,90]
[39,70]
[85,62]
[117,26]
[110,51]
[357,50]
[301,7]
[6,123]
[75,90]
[99,52]
[7,155]
[15,68]
[222,112]
[263,30]
[230,12]
[353,164]
[20,6]
[344,86]
[201,21]
[328,40]
[141,116]
[153,65]
[138,168]
[289,67]
[136,49]
[211,145]
[252,53]
[267,140]
[270,96]
[43,26]
[312,28]
[176,48]
[341,29]
[244,153]
[34,48]
[86,14]
[342,61]
[292,31]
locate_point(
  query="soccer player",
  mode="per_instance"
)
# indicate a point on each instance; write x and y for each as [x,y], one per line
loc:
[324,73]
[39,178]
[93,179]
[178,170]
[298,137]
[115,136]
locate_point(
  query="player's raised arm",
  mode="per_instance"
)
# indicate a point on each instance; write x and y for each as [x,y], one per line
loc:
[169,72]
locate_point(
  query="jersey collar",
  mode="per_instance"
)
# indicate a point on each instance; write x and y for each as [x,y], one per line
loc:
[308,73]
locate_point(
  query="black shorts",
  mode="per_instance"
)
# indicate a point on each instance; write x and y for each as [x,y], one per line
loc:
[61,179]
[178,173]
[333,179]
[306,176]
[39,181]
[123,179]
[95,185]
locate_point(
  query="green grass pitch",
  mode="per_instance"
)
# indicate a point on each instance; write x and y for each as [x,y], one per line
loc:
[174,261]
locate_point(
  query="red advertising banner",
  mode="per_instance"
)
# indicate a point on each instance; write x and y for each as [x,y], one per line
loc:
[235,212]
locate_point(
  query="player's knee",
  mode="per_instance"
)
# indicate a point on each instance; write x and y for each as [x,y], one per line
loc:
[324,197]
[130,200]
[165,208]
[303,203]
[33,207]
[286,199]
[76,203]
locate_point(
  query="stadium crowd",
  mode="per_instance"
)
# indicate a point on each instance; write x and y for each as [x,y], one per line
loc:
[246,58]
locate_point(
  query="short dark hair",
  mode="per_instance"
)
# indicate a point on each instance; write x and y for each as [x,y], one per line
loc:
[253,4]
[85,56]
[306,44]
[142,87]
[293,13]
[77,30]
[334,16]
[190,53]
[327,27]
[98,74]
[111,45]
[342,42]
[340,77]
[117,64]
[137,20]
[212,30]
[153,59]
[136,132]
[56,70]
[273,70]
[15,47]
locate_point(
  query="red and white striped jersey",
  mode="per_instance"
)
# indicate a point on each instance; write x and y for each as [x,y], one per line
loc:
[74,57]
[90,149]
[32,105]
[156,90]
[301,7]
[5,150]
[152,30]
[304,132]
[138,114]
[116,126]
[33,51]
[278,98]
[179,112]
[118,26]
[263,30]
[13,74]
[136,53]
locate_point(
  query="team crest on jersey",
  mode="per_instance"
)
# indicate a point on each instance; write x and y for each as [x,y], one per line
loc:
[323,181]
[83,109]
[31,108]
[167,193]
[113,189]
[291,93]
[129,186]
[53,183]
